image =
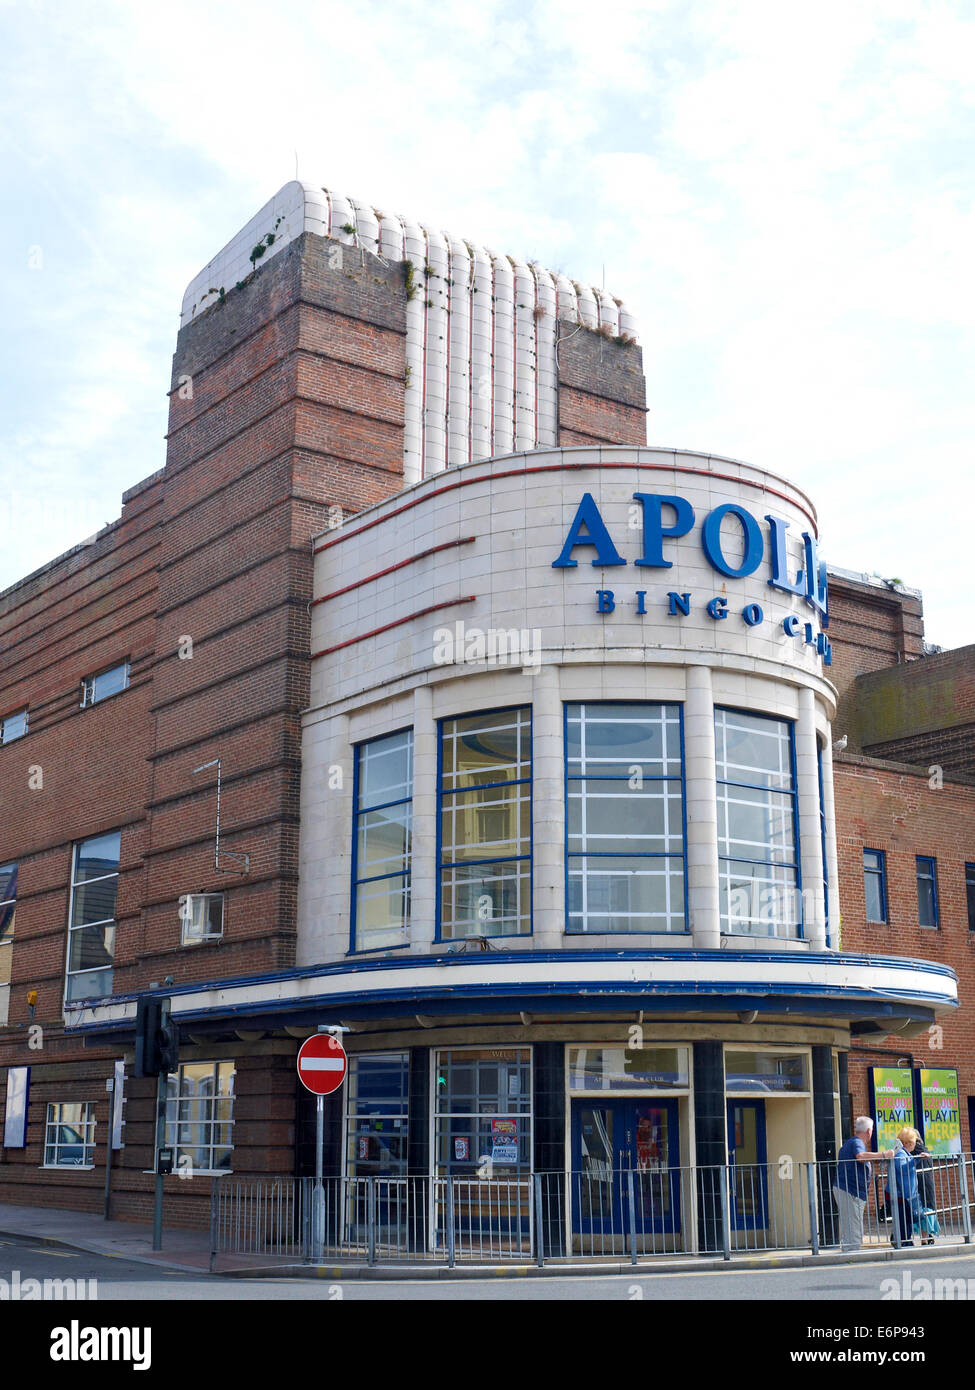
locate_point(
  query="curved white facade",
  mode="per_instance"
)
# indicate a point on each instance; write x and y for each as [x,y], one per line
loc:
[460,595]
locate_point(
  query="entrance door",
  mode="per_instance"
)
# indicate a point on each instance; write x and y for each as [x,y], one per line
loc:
[608,1140]
[747,1158]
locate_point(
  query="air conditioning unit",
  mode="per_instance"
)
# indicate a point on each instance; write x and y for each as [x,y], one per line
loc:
[201,915]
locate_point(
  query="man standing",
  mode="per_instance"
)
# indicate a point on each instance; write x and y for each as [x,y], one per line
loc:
[853,1182]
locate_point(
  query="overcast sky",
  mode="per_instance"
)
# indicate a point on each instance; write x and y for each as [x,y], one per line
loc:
[781,193]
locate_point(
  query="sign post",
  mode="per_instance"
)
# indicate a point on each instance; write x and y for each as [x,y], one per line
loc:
[322,1065]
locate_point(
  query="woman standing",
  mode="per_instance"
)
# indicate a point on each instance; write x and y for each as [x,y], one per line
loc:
[902,1185]
[924,1168]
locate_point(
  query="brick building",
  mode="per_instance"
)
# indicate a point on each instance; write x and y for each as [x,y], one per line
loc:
[905,796]
[264,612]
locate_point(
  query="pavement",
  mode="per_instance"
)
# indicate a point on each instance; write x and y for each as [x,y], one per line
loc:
[189,1251]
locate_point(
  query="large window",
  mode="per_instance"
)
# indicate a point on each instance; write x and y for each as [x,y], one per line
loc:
[200,1116]
[485,825]
[91,929]
[624,818]
[69,1136]
[378,1099]
[383,819]
[758,862]
[927,891]
[969,894]
[875,884]
[8,908]
[483,1112]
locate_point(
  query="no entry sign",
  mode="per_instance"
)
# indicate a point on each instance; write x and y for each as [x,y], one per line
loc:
[322,1064]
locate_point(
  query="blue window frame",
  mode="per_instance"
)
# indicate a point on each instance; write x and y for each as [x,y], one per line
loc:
[758,845]
[875,884]
[625,818]
[970,894]
[382,842]
[927,890]
[484,840]
[822,838]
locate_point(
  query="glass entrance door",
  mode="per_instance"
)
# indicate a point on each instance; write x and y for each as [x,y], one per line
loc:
[747,1158]
[613,1138]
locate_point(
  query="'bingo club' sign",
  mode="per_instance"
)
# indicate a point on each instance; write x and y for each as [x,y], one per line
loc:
[588,531]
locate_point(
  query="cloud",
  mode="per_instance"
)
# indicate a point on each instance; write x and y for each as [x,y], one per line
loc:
[784,197]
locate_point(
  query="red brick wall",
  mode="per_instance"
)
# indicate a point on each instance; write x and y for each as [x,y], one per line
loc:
[287,400]
[879,806]
[870,629]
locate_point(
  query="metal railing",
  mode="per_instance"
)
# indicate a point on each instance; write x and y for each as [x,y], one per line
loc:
[599,1213]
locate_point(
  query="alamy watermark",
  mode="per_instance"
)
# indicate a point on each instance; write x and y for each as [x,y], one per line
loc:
[494,646]
[18,1290]
[912,1288]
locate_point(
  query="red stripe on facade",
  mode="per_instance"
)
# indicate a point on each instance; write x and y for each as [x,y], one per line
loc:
[564,467]
[465,540]
[421,613]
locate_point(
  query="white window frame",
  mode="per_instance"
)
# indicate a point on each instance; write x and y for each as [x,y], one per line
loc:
[55,1119]
[72,927]
[15,714]
[190,935]
[89,686]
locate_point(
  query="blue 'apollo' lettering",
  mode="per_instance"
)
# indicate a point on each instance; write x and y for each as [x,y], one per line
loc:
[589,531]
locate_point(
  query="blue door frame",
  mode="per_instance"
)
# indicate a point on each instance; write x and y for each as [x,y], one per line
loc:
[749,1175]
[608,1139]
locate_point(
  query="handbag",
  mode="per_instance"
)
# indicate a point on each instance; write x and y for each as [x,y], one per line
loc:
[929,1223]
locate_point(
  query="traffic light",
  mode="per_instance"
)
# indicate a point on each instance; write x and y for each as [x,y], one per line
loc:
[156,1037]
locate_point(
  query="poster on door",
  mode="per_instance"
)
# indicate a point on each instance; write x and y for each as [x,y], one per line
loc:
[648,1137]
[504,1141]
[893,1100]
[941,1110]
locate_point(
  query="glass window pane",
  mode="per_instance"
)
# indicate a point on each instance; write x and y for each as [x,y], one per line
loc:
[94,984]
[98,856]
[8,882]
[758,899]
[619,1069]
[384,841]
[927,916]
[110,682]
[382,912]
[14,726]
[756,824]
[386,770]
[620,894]
[487,823]
[612,740]
[765,1071]
[485,899]
[752,749]
[95,901]
[607,815]
[486,748]
[91,947]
